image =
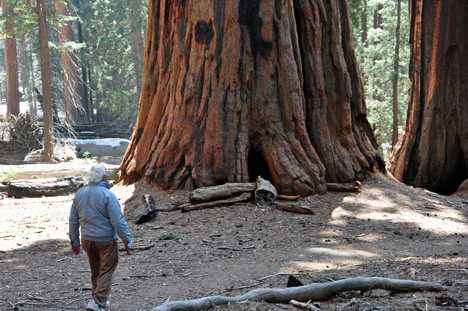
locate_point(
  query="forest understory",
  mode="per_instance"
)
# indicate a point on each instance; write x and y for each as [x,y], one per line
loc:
[386,230]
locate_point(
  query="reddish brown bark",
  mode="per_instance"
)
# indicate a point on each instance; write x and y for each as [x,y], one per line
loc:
[11,62]
[46,83]
[336,110]
[433,152]
[71,72]
[232,90]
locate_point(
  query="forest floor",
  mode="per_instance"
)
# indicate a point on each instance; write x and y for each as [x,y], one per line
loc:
[386,230]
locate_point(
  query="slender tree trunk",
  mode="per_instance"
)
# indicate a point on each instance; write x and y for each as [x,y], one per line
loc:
[233,89]
[433,151]
[26,75]
[46,83]
[71,77]
[364,24]
[396,76]
[84,78]
[378,16]
[91,108]
[32,85]
[137,43]
[11,62]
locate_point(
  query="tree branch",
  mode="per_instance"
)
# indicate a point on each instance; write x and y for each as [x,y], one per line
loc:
[316,291]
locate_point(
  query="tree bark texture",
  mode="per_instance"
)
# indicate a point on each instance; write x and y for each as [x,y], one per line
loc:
[433,151]
[233,89]
[46,83]
[71,72]
[11,62]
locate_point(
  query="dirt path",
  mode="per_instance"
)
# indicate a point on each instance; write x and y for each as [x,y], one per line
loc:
[388,230]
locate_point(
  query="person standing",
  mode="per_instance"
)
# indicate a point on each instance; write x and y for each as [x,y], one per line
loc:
[97,211]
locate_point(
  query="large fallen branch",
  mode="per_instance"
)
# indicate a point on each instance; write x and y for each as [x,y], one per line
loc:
[188,207]
[316,291]
[263,191]
[221,191]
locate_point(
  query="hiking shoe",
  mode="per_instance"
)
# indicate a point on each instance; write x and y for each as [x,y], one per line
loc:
[92,306]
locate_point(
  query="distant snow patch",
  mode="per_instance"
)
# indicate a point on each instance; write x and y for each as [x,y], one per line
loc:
[113,142]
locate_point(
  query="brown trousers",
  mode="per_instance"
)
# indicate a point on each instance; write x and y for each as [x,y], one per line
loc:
[103,259]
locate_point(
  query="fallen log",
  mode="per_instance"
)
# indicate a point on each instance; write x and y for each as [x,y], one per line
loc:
[36,188]
[265,193]
[345,187]
[292,208]
[188,207]
[315,292]
[220,191]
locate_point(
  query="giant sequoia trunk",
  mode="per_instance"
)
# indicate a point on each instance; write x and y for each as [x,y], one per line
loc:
[433,151]
[233,89]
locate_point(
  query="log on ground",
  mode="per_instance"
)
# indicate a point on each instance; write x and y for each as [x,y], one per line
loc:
[188,207]
[220,191]
[316,291]
[36,188]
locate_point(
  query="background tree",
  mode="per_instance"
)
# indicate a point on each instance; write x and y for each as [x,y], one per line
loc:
[233,89]
[112,56]
[433,152]
[46,83]
[27,73]
[71,71]
[396,74]
[11,60]
[113,32]
[383,53]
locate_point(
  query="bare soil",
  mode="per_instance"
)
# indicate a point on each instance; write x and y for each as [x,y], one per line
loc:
[386,230]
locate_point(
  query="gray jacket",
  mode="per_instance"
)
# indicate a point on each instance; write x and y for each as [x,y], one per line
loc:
[96,209]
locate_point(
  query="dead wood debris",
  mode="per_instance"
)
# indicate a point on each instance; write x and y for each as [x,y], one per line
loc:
[303,306]
[37,188]
[345,187]
[311,292]
[293,208]
[62,303]
[263,192]
[188,207]
[146,210]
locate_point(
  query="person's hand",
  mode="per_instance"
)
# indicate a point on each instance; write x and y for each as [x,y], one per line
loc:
[128,249]
[75,249]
